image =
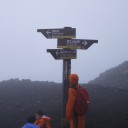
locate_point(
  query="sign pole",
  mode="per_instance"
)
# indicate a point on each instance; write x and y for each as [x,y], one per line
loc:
[69,51]
[66,84]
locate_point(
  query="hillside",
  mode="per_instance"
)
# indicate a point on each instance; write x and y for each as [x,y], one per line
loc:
[21,98]
[114,77]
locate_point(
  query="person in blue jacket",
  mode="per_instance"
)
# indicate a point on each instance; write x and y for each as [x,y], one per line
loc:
[30,123]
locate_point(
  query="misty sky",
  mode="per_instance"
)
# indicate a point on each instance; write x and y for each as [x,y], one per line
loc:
[23,51]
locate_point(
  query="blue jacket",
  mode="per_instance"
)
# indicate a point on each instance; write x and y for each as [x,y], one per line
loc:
[30,125]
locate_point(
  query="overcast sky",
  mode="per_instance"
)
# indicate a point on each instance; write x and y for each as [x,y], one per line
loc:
[23,51]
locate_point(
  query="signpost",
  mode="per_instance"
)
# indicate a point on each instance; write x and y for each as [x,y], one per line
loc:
[62,53]
[68,52]
[75,43]
[66,32]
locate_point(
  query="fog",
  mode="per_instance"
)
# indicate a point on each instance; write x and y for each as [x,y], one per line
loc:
[23,51]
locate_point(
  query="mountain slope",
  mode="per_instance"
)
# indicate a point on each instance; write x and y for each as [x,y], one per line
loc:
[115,77]
[21,98]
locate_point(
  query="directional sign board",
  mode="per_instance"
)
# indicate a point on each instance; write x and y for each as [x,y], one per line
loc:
[75,43]
[63,53]
[66,32]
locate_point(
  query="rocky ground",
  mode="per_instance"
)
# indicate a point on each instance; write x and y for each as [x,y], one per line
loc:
[19,99]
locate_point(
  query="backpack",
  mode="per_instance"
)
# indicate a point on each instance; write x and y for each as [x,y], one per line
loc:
[82,101]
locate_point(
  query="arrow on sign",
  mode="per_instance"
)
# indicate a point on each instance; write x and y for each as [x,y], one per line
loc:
[63,53]
[57,53]
[84,43]
[48,32]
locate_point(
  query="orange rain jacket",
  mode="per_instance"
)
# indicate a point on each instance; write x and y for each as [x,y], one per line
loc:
[40,122]
[80,119]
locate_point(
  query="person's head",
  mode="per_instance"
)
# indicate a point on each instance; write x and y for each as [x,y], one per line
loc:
[39,114]
[73,79]
[31,119]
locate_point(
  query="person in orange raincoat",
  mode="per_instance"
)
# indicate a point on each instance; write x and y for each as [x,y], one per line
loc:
[76,121]
[42,120]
